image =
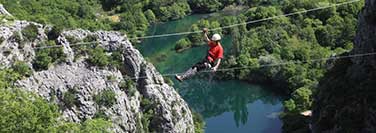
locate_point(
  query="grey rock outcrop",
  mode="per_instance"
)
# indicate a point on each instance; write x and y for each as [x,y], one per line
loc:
[171,113]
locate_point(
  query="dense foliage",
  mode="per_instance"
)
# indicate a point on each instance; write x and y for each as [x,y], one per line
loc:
[130,16]
[23,112]
[292,41]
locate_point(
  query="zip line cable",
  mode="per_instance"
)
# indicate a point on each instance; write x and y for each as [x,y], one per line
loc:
[270,65]
[224,27]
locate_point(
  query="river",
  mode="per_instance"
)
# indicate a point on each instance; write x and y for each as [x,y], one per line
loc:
[227,106]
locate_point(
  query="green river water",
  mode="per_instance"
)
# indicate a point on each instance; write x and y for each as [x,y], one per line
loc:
[227,106]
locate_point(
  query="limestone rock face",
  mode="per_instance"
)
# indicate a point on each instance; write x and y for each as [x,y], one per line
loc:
[345,100]
[171,113]
[3,11]
[86,83]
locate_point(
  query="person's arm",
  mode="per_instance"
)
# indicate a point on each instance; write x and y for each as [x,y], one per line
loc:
[215,68]
[206,38]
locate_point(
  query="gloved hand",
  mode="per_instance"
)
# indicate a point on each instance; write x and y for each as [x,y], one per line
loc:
[214,69]
[205,30]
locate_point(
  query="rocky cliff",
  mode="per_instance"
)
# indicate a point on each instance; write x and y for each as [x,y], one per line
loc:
[152,105]
[345,100]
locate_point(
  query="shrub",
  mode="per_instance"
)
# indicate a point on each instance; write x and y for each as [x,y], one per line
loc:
[100,114]
[16,37]
[45,57]
[116,59]
[182,44]
[169,81]
[199,122]
[2,40]
[89,126]
[96,126]
[111,78]
[42,60]
[98,57]
[22,68]
[90,38]
[72,40]
[7,78]
[148,113]
[54,33]
[79,50]
[30,32]
[70,98]
[128,86]
[105,98]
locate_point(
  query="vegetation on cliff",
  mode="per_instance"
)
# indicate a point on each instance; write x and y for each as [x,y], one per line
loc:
[23,111]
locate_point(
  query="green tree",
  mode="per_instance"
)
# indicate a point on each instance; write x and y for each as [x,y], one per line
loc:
[302,98]
[182,44]
[25,112]
[149,14]
[205,6]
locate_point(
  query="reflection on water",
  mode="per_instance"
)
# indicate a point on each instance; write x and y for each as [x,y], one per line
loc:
[227,106]
[212,98]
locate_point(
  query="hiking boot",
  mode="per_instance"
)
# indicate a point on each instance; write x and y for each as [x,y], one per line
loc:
[189,73]
[179,78]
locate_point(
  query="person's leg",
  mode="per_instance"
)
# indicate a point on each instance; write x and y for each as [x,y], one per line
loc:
[193,70]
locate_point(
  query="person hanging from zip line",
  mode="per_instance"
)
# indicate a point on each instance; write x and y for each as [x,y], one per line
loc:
[211,61]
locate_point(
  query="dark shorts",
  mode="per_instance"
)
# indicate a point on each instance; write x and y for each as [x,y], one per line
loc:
[202,65]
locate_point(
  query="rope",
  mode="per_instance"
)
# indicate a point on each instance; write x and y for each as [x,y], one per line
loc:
[269,65]
[215,29]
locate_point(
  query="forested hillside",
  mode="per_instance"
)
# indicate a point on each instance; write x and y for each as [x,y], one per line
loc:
[292,41]
[130,16]
[295,40]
